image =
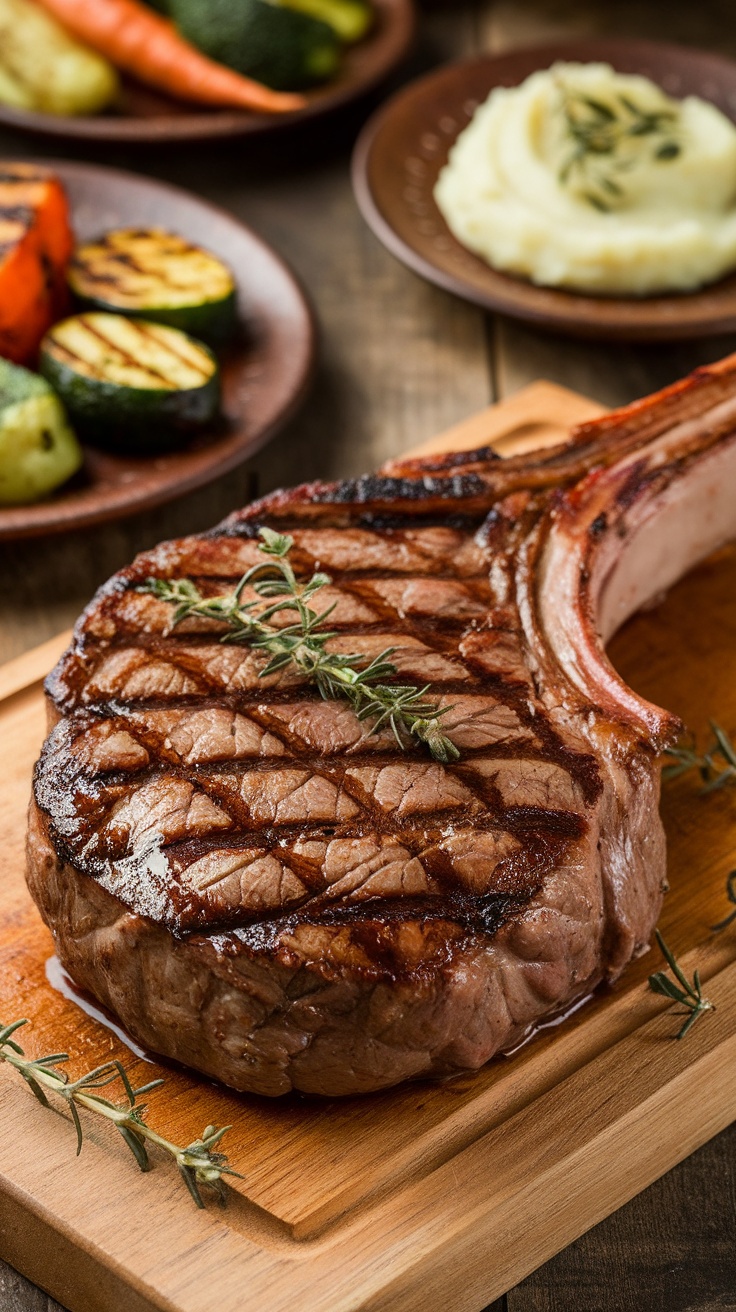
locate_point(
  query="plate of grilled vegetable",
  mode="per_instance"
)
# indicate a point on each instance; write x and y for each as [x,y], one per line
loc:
[149,342]
[167,70]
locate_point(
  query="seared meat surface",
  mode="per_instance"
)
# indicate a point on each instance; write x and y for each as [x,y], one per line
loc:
[261,888]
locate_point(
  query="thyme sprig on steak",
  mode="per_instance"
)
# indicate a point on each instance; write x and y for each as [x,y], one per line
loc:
[199,1164]
[716,766]
[303,644]
[688,993]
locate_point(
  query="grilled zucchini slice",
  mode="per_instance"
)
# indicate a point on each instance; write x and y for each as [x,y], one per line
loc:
[38,450]
[152,274]
[130,385]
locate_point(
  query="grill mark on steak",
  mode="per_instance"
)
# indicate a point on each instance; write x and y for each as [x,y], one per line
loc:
[218,784]
[483,914]
[440,635]
[548,826]
[519,734]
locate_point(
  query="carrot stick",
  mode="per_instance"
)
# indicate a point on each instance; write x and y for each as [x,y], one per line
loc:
[141,43]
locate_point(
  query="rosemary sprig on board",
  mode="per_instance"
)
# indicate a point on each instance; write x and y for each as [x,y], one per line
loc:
[199,1164]
[303,645]
[604,139]
[731,895]
[689,994]
[716,766]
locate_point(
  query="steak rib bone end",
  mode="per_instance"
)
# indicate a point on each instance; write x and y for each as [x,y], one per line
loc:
[260,889]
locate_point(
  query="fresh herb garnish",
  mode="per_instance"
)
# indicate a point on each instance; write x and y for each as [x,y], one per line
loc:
[303,645]
[604,141]
[689,994]
[199,1163]
[716,766]
[731,895]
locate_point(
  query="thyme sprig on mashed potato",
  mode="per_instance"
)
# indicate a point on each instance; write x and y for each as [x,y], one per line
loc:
[595,180]
[610,137]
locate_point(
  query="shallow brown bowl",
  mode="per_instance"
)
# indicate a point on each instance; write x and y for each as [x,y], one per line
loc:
[145,116]
[403,147]
[265,372]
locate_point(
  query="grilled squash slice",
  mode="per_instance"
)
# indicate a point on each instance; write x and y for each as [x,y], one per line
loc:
[156,275]
[130,385]
[38,450]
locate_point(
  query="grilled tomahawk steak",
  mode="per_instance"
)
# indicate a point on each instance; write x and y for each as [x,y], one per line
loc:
[260,889]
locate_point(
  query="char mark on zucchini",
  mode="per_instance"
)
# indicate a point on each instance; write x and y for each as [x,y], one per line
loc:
[156,275]
[130,384]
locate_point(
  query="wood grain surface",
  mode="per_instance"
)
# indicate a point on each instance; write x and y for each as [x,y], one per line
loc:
[401,360]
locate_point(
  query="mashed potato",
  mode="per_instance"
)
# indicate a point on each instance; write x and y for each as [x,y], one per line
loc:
[585,178]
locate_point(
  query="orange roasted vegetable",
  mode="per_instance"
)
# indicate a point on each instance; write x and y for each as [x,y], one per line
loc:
[28,185]
[36,243]
[25,295]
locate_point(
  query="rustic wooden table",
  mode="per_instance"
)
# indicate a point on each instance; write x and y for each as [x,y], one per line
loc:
[400,361]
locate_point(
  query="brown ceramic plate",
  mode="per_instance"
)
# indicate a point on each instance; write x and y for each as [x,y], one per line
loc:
[145,116]
[265,371]
[405,144]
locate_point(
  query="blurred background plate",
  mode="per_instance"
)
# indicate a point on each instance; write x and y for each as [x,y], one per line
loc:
[405,144]
[144,115]
[265,370]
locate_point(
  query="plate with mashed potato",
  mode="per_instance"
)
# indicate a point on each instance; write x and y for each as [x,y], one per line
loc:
[589,188]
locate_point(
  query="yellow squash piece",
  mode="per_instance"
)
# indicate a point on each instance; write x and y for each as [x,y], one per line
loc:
[44,69]
[13,92]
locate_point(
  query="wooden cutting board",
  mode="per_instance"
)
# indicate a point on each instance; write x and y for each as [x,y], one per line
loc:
[431,1196]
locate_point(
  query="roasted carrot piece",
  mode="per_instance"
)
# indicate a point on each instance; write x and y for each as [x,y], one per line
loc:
[141,43]
[27,185]
[25,295]
[36,243]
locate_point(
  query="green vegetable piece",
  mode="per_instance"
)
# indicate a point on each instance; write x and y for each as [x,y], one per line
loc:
[130,385]
[157,275]
[284,49]
[38,450]
[350,19]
